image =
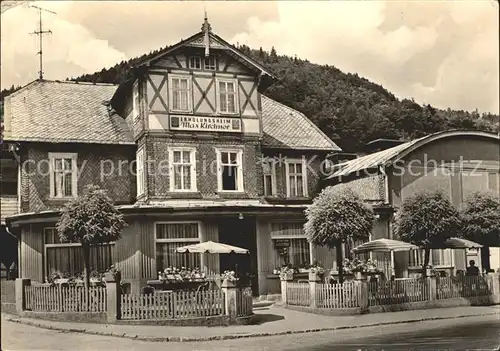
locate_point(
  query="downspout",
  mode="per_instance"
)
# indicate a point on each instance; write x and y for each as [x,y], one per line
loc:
[386,184]
[386,201]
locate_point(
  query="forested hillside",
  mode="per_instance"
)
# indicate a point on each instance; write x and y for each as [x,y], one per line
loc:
[348,108]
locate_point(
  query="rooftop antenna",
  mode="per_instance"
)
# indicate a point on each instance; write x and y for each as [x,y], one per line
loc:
[40,32]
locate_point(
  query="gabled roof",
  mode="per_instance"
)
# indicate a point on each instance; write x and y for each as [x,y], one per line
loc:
[68,112]
[286,128]
[387,157]
[64,112]
[216,42]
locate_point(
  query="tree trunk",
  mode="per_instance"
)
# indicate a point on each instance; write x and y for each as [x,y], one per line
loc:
[485,258]
[86,268]
[427,257]
[340,267]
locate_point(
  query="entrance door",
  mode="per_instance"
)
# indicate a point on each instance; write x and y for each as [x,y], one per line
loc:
[241,233]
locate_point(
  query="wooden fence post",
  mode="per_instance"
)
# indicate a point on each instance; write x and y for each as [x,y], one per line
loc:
[20,285]
[432,283]
[285,278]
[113,299]
[494,283]
[363,294]
[230,303]
[314,279]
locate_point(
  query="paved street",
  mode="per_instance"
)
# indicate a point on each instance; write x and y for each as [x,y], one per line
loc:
[456,334]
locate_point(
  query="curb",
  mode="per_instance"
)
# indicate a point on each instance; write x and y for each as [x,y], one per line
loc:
[233,336]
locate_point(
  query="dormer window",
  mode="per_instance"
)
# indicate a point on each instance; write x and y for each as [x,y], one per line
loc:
[209,63]
[205,63]
[195,62]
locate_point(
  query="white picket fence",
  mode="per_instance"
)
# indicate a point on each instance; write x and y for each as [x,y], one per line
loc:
[298,294]
[50,298]
[344,295]
[172,305]
[398,291]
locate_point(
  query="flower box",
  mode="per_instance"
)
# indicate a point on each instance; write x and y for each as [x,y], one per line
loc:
[315,276]
[60,281]
[360,275]
[111,277]
[286,275]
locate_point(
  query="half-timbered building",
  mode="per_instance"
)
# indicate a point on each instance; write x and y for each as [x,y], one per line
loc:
[190,149]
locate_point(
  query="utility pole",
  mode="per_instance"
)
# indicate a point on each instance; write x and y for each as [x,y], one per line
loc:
[40,32]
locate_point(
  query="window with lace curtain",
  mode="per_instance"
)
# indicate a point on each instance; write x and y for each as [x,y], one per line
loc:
[298,252]
[67,257]
[172,235]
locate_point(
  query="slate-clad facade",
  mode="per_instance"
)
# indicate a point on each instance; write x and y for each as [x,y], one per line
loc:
[190,149]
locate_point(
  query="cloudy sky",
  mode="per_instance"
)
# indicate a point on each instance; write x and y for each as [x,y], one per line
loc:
[443,53]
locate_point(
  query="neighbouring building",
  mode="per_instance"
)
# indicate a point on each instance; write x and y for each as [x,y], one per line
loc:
[458,163]
[189,149]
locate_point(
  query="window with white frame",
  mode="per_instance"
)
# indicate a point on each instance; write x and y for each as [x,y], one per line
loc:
[67,257]
[290,244]
[438,257]
[135,99]
[227,100]
[209,63]
[229,170]
[269,173]
[172,235]
[63,175]
[140,171]
[296,178]
[195,62]
[180,93]
[182,169]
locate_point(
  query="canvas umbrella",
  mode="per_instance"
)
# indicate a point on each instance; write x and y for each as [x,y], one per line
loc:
[211,247]
[385,245]
[458,243]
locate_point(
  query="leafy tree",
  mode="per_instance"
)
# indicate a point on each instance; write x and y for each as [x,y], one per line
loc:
[481,222]
[427,219]
[90,220]
[338,217]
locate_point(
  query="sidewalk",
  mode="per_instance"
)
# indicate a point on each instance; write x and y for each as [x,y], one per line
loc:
[272,321]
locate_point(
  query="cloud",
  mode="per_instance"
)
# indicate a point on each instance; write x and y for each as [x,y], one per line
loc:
[70,45]
[442,53]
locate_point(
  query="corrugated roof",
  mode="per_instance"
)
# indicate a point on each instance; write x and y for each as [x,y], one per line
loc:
[287,128]
[53,111]
[386,157]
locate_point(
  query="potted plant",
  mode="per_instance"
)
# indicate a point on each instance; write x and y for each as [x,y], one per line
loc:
[359,268]
[112,275]
[286,273]
[316,273]
[229,279]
